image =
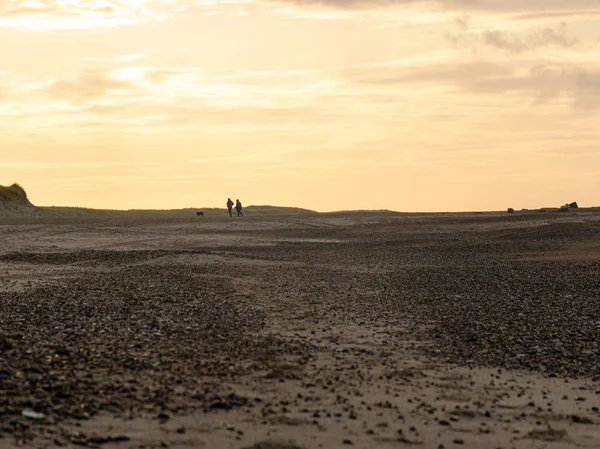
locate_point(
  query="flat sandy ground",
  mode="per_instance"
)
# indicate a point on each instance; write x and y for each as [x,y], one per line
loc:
[328,331]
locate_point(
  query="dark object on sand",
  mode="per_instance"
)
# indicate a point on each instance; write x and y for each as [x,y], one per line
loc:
[567,207]
[511,210]
[199,214]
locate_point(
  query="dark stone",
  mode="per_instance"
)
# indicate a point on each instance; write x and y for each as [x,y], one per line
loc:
[581,419]
[220,405]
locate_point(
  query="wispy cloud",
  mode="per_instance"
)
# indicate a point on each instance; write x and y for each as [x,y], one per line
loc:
[129,57]
[504,6]
[37,15]
[477,39]
[191,96]
[71,14]
[86,86]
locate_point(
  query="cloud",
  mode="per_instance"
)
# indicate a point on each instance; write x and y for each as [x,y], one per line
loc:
[170,97]
[401,12]
[509,41]
[505,6]
[154,97]
[540,82]
[544,38]
[37,15]
[129,57]
[86,86]
[581,13]
[588,90]
[70,14]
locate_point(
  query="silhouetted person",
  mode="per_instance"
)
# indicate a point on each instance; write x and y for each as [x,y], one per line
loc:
[238,208]
[229,205]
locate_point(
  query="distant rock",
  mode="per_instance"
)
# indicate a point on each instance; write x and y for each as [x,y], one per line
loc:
[511,210]
[567,207]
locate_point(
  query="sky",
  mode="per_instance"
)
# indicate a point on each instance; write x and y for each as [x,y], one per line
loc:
[409,105]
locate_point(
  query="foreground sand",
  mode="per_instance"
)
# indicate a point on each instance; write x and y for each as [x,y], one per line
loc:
[356,330]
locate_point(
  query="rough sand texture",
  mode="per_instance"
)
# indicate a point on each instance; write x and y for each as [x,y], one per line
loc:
[347,330]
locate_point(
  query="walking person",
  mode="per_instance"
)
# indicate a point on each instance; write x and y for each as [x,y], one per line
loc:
[229,205]
[238,208]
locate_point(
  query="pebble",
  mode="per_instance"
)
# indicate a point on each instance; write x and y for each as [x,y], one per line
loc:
[161,326]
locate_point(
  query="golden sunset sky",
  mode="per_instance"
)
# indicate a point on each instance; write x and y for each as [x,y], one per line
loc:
[327,104]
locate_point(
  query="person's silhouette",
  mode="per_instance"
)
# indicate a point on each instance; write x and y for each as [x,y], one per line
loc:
[238,208]
[229,205]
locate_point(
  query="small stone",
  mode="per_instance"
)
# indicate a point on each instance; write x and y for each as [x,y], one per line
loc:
[32,415]
[581,419]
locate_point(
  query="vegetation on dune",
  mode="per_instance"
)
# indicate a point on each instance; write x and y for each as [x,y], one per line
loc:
[14,195]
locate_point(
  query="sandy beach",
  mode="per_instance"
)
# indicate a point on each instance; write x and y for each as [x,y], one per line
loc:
[367,330]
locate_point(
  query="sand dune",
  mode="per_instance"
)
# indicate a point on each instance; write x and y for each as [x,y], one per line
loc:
[14,204]
[14,201]
[171,213]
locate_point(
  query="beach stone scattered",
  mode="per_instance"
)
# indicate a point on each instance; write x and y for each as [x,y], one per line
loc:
[162,334]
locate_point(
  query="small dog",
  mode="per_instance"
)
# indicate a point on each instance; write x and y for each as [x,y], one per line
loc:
[199,214]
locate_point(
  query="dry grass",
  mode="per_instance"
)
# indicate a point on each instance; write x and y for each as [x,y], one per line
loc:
[15,194]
